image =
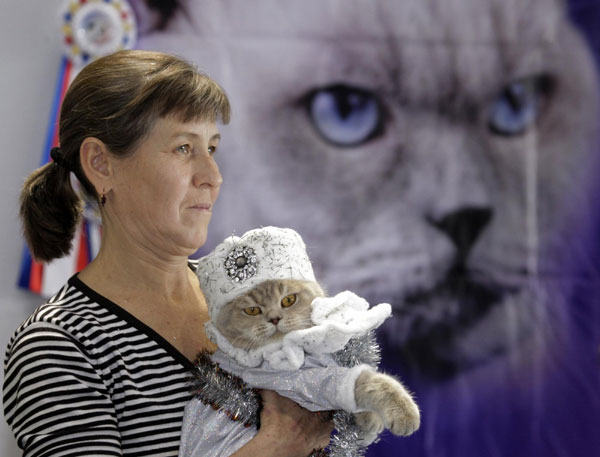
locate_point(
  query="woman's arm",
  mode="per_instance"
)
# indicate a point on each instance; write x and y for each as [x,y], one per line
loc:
[54,399]
[287,430]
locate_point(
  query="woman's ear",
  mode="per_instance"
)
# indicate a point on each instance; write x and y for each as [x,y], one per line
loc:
[96,164]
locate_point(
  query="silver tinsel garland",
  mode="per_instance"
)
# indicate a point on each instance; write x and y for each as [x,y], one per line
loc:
[230,394]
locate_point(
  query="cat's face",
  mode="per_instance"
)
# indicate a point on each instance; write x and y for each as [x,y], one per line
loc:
[428,152]
[267,312]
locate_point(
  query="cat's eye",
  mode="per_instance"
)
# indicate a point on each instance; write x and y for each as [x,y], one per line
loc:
[518,106]
[252,311]
[344,115]
[288,301]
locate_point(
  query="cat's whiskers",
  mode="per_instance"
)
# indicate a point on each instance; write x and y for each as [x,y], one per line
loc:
[301,322]
[244,342]
[251,345]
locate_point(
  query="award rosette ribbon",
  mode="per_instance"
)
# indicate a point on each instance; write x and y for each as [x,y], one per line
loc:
[90,29]
[94,28]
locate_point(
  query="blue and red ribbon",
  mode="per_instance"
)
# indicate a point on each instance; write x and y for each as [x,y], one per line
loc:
[31,272]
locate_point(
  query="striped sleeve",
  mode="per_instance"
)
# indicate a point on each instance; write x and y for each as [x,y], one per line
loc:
[55,399]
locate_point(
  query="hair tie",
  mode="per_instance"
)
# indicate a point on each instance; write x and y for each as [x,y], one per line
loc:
[57,156]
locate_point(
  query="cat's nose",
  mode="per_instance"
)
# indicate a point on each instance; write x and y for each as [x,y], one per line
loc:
[464,226]
[275,320]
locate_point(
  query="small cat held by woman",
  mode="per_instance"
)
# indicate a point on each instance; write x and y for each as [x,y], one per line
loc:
[277,330]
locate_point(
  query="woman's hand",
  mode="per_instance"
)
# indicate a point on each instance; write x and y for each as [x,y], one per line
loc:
[297,430]
[287,429]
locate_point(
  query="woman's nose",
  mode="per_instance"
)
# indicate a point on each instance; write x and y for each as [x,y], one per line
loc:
[207,173]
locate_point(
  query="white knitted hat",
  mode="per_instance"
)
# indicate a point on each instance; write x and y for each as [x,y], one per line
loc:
[240,263]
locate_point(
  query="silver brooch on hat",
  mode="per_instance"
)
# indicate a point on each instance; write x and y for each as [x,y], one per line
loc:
[241,263]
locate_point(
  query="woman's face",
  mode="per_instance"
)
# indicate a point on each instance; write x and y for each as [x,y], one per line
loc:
[162,195]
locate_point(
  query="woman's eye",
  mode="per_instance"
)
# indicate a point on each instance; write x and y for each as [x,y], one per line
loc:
[184,149]
[518,106]
[288,301]
[252,311]
[212,150]
[344,115]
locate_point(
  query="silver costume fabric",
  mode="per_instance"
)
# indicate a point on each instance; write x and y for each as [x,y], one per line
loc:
[210,433]
[319,385]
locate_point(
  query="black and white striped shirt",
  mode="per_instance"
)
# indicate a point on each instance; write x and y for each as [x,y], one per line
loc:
[82,377]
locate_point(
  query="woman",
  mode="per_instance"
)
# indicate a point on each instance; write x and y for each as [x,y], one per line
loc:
[101,368]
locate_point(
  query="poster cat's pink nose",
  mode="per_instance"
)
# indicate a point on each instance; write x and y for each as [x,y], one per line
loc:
[275,320]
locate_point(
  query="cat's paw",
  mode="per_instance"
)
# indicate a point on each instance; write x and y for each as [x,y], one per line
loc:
[402,416]
[370,424]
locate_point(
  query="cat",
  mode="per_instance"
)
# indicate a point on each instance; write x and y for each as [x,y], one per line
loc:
[435,154]
[274,308]
[276,329]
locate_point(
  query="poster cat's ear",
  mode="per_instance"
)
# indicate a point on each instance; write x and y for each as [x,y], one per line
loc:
[153,14]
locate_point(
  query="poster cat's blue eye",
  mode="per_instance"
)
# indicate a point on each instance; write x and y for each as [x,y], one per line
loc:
[517,108]
[344,115]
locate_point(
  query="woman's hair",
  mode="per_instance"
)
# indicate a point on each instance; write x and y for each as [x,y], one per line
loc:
[116,99]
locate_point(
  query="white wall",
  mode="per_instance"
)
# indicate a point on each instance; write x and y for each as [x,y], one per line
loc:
[30,50]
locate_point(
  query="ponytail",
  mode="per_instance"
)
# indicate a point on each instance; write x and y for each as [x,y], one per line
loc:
[50,211]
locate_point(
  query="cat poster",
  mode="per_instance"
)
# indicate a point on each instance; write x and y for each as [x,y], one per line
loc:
[440,156]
